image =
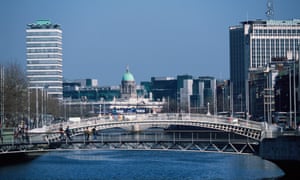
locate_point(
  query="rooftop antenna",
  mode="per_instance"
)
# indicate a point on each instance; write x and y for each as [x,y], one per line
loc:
[270,10]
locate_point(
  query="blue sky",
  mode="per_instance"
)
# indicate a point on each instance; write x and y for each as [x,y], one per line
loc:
[153,37]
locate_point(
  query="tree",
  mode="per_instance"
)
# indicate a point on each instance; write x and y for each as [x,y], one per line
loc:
[14,93]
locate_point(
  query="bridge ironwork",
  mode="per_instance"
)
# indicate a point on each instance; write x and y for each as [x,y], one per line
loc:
[223,134]
[250,129]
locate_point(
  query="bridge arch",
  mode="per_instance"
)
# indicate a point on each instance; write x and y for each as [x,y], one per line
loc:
[249,129]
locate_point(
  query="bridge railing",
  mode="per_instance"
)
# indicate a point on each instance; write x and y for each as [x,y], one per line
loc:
[242,127]
[162,116]
[205,118]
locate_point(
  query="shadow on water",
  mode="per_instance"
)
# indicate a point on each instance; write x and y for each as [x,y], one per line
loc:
[16,158]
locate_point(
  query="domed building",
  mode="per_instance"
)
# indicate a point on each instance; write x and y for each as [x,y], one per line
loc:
[128,86]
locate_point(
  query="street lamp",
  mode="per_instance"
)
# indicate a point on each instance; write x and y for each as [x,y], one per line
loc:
[37,107]
[44,104]
[223,95]
[2,99]
[208,113]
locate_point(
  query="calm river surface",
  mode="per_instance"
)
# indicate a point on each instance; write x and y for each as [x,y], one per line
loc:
[140,164]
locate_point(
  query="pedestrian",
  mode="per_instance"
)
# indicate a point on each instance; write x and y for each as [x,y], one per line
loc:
[87,134]
[17,134]
[26,134]
[1,138]
[61,132]
[68,133]
[94,133]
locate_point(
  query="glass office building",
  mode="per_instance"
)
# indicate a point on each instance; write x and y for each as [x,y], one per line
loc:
[255,44]
[44,57]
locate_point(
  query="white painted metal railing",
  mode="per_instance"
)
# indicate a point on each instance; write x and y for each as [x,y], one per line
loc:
[243,127]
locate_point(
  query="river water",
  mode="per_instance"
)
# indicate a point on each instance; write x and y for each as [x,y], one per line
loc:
[141,164]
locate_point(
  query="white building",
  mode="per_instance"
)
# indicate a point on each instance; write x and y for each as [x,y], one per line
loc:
[44,57]
[255,44]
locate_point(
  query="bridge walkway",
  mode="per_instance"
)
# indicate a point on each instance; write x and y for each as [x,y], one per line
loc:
[250,129]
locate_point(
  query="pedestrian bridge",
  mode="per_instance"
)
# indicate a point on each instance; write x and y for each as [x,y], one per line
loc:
[219,134]
[249,129]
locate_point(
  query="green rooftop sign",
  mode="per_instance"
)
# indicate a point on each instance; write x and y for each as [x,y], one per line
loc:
[42,22]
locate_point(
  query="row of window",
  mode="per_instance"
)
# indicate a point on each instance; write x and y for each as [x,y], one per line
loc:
[276,32]
[53,87]
[55,50]
[45,78]
[33,84]
[43,39]
[43,45]
[291,42]
[44,62]
[44,73]
[55,67]
[44,34]
[42,56]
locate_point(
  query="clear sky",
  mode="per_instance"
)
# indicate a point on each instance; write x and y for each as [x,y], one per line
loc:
[153,37]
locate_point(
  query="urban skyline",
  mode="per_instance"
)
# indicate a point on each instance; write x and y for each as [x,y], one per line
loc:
[154,38]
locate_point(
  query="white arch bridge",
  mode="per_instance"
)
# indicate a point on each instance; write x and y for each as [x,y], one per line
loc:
[249,129]
[211,133]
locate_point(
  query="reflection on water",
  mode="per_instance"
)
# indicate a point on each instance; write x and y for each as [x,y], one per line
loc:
[140,164]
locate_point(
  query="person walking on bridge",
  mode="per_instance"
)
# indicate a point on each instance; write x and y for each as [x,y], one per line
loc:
[61,132]
[1,138]
[87,134]
[94,132]
[68,133]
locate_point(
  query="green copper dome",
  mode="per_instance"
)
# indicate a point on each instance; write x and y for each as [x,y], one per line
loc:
[127,76]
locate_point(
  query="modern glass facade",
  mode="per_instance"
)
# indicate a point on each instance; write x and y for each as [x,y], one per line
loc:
[44,57]
[164,88]
[255,44]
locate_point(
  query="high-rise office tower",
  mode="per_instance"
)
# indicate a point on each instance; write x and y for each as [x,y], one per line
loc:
[44,57]
[255,44]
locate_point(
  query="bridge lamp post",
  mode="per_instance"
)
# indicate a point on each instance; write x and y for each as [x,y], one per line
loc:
[290,97]
[223,97]
[208,113]
[46,103]
[100,110]
[2,116]
[29,95]
[295,100]
[240,96]
[65,111]
[36,107]
[294,93]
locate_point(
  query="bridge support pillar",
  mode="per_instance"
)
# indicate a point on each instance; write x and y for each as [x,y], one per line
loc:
[284,152]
